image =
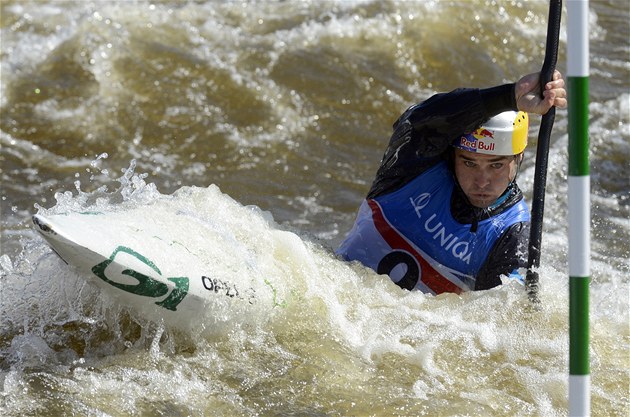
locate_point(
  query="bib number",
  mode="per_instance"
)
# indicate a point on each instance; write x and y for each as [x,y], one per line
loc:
[398,260]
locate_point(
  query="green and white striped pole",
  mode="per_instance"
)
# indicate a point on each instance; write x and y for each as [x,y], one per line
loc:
[579,208]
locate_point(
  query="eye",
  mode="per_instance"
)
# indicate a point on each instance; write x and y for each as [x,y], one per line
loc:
[469,164]
[497,165]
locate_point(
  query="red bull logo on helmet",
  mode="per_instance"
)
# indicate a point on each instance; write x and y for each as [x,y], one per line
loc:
[480,140]
[483,133]
[503,134]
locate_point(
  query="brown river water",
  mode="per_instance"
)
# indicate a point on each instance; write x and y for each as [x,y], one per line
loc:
[286,107]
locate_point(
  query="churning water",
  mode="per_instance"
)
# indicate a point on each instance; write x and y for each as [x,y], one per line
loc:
[278,112]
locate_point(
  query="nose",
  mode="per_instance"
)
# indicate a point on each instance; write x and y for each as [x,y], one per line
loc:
[482,178]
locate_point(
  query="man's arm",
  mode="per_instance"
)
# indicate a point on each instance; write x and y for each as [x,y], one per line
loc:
[508,254]
[424,132]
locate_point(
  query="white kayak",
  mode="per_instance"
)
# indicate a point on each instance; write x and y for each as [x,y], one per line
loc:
[170,262]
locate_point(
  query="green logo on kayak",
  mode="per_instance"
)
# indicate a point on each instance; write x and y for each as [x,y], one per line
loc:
[146,286]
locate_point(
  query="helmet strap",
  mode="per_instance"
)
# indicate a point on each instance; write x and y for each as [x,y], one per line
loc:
[519,161]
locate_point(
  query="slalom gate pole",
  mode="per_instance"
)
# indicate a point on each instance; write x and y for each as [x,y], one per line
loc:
[579,208]
[542,152]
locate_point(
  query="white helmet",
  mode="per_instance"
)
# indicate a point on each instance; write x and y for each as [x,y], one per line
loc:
[503,134]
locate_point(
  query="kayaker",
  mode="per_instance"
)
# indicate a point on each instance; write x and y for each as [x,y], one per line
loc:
[444,213]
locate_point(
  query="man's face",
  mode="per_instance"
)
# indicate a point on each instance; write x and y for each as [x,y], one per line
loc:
[483,178]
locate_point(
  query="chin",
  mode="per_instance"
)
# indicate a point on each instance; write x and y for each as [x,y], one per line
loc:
[482,204]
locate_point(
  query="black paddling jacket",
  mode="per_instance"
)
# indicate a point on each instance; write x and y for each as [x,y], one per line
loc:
[421,139]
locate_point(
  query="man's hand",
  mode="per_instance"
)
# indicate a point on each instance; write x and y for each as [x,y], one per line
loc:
[527,92]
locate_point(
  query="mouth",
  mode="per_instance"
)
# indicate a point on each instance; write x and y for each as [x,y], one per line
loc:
[481,200]
[480,196]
